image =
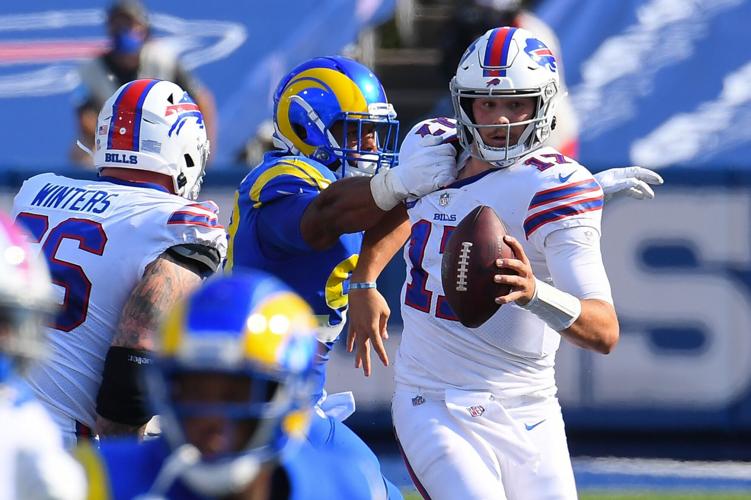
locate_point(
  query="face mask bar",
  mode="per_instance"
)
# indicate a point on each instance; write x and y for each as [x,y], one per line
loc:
[365,158]
[537,129]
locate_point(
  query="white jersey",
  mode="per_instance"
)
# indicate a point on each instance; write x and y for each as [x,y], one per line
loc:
[33,462]
[98,237]
[513,353]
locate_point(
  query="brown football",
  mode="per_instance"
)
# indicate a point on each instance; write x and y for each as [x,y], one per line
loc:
[468,266]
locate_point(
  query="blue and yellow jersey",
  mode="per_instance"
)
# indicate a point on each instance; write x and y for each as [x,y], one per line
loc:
[126,468]
[265,234]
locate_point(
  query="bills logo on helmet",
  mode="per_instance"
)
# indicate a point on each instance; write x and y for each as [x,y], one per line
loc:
[186,108]
[540,54]
[493,82]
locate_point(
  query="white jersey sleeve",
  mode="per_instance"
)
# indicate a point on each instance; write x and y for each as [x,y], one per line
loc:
[575,263]
[566,195]
[98,237]
[189,223]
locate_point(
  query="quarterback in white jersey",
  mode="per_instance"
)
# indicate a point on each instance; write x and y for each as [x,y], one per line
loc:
[33,463]
[121,250]
[475,409]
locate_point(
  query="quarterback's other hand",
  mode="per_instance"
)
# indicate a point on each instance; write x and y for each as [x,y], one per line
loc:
[629,181]
[368,316]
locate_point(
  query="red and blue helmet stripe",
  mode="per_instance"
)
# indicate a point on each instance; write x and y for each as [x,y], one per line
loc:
[496,52]
[125,124]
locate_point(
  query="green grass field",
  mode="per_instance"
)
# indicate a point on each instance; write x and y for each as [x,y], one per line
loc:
[642,495]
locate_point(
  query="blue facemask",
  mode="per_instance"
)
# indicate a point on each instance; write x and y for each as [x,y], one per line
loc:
[128,42]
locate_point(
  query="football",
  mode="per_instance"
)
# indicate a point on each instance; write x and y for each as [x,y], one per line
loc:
[468,266]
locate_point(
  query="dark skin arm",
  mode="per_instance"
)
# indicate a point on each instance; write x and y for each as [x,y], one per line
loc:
[346,206]
[368,310]
[165,281]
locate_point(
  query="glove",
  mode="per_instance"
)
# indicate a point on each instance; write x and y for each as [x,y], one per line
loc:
[427,162]
[629,181]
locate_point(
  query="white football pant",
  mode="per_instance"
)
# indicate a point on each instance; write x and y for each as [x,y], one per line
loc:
[470,446]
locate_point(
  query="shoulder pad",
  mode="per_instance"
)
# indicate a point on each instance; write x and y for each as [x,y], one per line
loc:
[207,259]
[285,176]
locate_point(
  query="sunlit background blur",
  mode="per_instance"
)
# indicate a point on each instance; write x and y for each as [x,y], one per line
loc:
[665,84]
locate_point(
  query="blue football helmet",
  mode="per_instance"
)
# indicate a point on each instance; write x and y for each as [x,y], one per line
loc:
[323,103]
[256,331]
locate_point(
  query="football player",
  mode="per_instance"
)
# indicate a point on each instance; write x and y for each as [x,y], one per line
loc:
[231,380]
[484,399]
[121,250]
[33,462]
[300,213]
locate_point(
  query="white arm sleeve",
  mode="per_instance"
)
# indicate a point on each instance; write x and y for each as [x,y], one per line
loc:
[575,263]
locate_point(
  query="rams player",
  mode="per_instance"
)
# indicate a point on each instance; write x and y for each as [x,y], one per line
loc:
[231,380]
[300,213]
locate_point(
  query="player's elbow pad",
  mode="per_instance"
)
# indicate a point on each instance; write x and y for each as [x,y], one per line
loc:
[121,396]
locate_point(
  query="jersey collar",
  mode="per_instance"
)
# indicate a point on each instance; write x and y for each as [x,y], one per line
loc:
[122,182]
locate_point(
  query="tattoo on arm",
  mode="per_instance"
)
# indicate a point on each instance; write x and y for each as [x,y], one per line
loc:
[164,282]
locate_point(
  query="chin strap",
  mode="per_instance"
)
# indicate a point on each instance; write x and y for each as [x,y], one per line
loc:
[86,150]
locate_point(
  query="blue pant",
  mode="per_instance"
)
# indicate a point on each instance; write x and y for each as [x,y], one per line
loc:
[329,432]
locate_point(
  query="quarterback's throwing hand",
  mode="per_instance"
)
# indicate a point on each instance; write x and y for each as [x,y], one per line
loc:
[522,283]
[368,317]
[629,181]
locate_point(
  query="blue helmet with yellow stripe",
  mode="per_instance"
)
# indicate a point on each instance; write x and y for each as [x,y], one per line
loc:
[335,111]
[231,377]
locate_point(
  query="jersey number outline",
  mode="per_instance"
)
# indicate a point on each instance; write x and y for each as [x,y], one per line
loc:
[417,294]
[68,275]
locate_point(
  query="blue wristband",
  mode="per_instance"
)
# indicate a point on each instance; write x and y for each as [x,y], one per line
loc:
[362,285]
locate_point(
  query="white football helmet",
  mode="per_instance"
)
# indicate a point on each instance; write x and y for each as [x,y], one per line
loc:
[154,125]
[26,299]
[506,62]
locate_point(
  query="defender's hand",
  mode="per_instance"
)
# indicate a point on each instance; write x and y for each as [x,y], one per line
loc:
[368,316]
[427,163]
[629,181]
[523,283]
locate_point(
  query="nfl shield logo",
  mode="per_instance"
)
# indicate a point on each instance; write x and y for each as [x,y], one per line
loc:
[418,400]
[443,200]
[476,410]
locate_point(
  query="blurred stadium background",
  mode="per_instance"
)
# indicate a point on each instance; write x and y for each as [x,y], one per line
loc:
[660,83]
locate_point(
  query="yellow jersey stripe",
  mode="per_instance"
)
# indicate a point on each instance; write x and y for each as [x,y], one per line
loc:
[294,167]
[96,473]
[234,224]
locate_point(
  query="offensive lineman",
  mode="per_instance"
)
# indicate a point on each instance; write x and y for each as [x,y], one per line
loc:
[121,250]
